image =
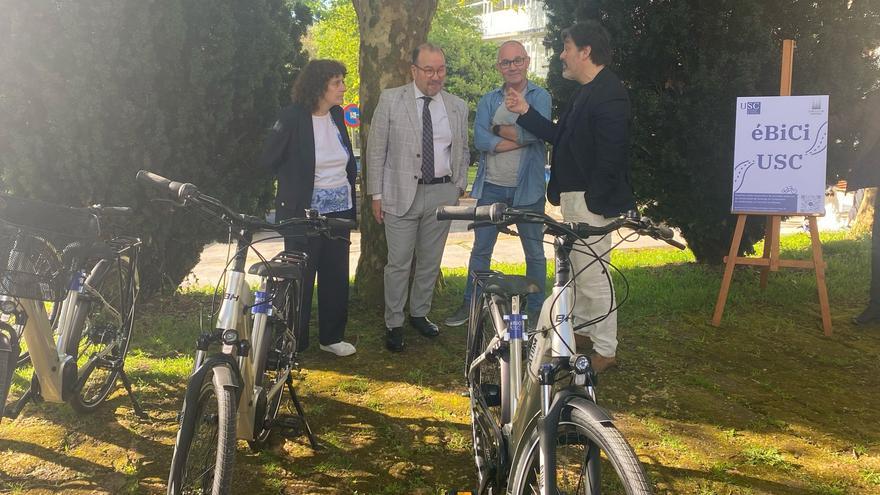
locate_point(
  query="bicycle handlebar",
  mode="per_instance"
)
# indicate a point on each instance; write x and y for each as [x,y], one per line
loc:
[186,192]
[500,214]
[177,190]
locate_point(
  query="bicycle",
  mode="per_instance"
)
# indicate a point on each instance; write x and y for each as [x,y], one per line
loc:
[92,285]
[531,434]
[236,393]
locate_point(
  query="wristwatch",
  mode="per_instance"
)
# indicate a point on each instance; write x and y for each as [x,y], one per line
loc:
[496,129]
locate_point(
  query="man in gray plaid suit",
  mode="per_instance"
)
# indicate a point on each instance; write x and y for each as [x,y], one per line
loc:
[417,154]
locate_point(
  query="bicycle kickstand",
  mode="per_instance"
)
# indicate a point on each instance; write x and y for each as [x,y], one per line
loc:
[302,415]
[138,410]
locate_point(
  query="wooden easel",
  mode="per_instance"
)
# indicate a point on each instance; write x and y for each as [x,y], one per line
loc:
[770,261]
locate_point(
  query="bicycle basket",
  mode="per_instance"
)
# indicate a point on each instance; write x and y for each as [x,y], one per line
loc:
[31,268]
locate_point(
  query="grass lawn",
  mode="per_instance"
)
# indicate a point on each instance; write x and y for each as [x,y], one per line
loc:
[765,404]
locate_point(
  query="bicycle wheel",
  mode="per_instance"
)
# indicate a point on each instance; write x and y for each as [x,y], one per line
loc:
[205,448]
[485,415]
[591,457]
[487,377]
[103,340]
[15,319]
[8,358]
[279,361]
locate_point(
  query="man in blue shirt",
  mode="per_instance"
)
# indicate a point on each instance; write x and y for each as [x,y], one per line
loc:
[511,171]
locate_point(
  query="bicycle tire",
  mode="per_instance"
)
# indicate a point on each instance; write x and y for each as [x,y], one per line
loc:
[487,451]
[204,452]
[24,356]
[8,361]
[280,357]
[577,429]
[102,340]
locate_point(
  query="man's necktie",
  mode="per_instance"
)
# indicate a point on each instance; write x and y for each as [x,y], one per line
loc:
[427,142]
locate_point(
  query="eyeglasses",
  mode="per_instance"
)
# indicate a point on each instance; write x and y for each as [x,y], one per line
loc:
[517,62]
[431,72]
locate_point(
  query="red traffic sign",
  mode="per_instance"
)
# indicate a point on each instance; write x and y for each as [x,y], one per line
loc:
[352,115]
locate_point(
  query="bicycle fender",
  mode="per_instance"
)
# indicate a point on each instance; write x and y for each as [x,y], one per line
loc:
[591,409]
[223,378]
[8,340]
[226,374]
[575,397]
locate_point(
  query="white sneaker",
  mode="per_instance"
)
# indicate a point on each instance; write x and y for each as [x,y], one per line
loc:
[340,348]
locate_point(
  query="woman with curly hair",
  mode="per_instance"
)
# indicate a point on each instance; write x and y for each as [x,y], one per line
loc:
[309,151]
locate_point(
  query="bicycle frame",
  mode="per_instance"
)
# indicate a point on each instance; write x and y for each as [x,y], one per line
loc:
[56,371]
[245,351]
[527,388]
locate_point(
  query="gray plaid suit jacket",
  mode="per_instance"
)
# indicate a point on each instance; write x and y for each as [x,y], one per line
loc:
[394,147]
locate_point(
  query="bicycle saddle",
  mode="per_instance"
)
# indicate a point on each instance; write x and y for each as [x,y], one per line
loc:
[283,265]
[507,285]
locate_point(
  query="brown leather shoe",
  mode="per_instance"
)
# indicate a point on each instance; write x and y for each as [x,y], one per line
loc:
[600,363]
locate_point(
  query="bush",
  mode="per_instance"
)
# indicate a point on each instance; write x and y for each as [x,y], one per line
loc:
[685,62]
[90,92]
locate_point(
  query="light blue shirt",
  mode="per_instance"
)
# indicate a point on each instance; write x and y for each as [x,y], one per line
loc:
[530,178]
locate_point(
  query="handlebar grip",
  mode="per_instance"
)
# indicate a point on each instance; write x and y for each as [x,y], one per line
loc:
[673,242]
[455,213]
[178,190]
[664,231]
[489,213]
[341,223]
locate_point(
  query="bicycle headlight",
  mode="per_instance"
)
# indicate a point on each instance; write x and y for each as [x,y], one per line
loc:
[580,364]
[230,337]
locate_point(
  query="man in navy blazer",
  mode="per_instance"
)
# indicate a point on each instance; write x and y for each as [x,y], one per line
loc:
[590,174]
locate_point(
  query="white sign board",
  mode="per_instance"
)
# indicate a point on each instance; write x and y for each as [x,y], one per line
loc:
[779,156]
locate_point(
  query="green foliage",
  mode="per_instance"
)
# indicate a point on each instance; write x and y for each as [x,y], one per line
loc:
[335,36]
[181,87]
[471,60]
[686,62]
[455,28]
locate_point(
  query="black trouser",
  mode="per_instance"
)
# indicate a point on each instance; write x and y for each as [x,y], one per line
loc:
[328,258]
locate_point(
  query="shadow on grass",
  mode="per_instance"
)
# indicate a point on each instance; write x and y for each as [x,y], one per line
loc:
[364,450]
[396,423]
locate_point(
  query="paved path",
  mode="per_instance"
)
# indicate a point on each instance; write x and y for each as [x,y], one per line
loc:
[456,254]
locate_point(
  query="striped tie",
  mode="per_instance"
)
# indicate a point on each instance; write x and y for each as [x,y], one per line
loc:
[427,142]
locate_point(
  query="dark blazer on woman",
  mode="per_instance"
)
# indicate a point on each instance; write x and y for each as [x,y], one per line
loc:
[592,138]
[289,153]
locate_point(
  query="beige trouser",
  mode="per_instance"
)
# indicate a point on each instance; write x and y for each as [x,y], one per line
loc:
[594,294]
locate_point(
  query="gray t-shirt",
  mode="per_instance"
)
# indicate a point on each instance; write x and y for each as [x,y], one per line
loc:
[502,168]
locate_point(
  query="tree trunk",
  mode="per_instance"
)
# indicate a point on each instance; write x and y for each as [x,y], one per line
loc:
[389,30]
[864,220]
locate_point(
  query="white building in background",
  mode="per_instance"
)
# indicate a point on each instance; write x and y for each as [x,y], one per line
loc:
[521,20]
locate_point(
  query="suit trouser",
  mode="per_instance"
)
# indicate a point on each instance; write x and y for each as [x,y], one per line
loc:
[416,233]
[328,262]
[594,293]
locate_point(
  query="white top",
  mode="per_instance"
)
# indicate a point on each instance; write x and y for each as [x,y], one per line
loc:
[331,157]
[441,130]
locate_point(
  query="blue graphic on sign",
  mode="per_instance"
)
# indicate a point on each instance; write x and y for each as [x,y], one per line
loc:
[261,303]
[515,327]
[753,108]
